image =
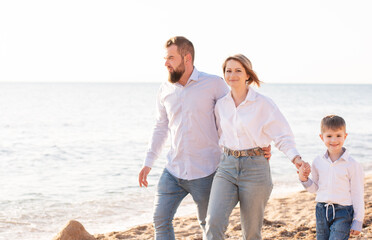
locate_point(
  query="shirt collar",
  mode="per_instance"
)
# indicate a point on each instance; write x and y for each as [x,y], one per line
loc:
[344,156]
[251,96]
[193,77]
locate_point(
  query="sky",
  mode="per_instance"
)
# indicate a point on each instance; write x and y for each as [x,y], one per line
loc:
[288,41]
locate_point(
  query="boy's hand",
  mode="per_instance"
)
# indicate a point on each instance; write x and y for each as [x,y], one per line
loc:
[354,232]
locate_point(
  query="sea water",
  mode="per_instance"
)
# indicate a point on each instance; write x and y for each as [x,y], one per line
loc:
[74,150]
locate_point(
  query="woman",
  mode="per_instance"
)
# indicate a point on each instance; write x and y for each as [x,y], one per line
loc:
[247,121]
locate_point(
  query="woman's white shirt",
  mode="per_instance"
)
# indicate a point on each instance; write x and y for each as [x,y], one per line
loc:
[256,122]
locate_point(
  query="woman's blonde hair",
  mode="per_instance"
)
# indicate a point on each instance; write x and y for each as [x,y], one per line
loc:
[247,66]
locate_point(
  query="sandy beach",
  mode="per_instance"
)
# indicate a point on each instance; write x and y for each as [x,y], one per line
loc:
[291,217]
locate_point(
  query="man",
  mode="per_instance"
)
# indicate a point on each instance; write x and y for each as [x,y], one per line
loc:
[185,110]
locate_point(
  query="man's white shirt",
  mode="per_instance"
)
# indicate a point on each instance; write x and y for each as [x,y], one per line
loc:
[186,114]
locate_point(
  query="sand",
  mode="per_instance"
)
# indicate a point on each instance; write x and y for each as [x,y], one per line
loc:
[291,217]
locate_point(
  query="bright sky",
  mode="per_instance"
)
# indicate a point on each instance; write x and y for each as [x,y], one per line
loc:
[288,41]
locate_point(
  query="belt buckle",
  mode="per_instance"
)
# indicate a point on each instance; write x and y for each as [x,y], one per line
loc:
[236,153]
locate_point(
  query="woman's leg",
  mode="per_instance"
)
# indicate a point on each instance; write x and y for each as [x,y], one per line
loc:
[255,186]
[223,198]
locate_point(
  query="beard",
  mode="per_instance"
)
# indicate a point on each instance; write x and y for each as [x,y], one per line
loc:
[177,73]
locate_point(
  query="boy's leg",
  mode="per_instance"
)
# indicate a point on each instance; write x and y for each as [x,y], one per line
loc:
[322,226]
[200,190]
[169,195]
[340,228]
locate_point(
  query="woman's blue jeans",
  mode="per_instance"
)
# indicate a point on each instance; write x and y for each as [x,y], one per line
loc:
[336,226]
[170,192]
[246,180]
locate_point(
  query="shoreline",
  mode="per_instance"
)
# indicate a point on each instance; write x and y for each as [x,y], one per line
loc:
[289,217]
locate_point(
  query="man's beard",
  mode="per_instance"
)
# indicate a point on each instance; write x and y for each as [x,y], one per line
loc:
[177,73]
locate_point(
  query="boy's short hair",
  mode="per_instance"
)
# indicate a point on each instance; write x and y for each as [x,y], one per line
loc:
[333,122]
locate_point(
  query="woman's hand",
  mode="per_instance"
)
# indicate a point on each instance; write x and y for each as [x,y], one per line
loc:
[354,232]
[297,161]
[304,172]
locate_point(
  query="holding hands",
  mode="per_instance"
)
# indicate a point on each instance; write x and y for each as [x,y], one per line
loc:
[304,172]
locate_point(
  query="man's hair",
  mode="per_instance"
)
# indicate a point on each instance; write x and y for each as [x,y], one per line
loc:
[246,63]
[184,46]
[332,122]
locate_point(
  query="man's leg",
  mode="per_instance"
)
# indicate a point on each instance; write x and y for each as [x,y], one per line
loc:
[169,195]
[200,190]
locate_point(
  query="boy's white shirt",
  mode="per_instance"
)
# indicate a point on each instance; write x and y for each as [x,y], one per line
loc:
[340,182]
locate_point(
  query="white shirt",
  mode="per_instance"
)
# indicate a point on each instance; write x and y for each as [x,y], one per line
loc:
[254,123]
[186,113]
[340,182]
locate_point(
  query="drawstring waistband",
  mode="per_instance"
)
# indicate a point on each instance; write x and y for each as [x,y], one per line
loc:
[334,213]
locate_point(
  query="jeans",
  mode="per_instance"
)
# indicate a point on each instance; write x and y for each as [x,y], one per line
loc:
[170,192]
[336,226]
[246,180]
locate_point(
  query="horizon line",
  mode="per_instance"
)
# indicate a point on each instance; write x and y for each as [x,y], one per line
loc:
[116,82]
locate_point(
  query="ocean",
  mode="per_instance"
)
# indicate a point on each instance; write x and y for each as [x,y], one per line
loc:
[74,150]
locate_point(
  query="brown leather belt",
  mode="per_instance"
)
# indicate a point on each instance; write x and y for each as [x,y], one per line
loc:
[244,153]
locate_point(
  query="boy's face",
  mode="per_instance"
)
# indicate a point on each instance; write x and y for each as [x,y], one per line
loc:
[334,139]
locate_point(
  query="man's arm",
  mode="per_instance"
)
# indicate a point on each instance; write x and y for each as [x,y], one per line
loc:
[142,177]
[159,136]
[267,152]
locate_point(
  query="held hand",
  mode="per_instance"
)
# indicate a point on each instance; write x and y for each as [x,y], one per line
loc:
[267,152]
[304,172]
[142,177]
[298,162]
[354,232]
[305,169]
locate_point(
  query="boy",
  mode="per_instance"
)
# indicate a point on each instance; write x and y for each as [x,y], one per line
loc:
[338,181]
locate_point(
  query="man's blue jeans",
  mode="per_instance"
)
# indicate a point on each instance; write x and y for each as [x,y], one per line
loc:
[337,226]
[170,192]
